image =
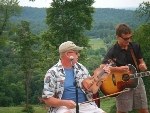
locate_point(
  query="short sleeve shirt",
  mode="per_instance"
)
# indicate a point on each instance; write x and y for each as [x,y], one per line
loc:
[55,78]
[123,57]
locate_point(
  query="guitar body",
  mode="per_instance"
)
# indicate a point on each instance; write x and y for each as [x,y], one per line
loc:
[117,82]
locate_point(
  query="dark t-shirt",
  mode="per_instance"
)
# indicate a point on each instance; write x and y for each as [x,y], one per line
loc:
[123,57]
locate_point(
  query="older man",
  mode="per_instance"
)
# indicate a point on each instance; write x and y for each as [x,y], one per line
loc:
[59,89]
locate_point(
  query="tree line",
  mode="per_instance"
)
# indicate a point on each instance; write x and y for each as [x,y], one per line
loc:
[25,56]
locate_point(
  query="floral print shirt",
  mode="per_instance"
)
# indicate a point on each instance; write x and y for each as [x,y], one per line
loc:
[55,78]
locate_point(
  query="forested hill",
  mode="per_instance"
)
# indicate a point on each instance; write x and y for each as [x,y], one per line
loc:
[103,18]
[113,15]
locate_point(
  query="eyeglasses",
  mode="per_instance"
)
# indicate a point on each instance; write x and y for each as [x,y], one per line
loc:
[125,39]
[76,52]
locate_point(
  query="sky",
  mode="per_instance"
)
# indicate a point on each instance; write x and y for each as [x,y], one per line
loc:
[97,4]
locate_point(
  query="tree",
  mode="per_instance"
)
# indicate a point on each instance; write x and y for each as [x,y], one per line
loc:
[26,41]
[5,94]
[67,20]
[144,11]
[8,8]
[142,35]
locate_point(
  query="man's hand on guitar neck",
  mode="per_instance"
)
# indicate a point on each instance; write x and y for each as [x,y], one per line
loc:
[142,66]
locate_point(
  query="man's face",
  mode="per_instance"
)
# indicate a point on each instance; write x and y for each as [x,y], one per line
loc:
[75,55]
[124,39]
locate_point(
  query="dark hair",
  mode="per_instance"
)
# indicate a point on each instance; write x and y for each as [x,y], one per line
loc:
[123,29]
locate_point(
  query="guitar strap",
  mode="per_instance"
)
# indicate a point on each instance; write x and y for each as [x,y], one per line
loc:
[136,80]
[134,59]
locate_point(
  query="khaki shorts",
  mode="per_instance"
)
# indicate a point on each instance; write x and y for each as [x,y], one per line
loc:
[135,98]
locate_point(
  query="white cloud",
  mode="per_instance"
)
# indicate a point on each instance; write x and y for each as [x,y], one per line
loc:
[36,3]
[117,3]
[97,4]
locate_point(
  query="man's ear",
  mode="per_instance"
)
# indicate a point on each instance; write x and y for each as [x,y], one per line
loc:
[67,54]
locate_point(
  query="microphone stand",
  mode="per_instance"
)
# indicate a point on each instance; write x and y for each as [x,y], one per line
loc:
[77,106]
[76,85]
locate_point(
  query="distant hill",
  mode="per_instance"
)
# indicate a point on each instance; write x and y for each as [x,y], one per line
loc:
[36,17]
[128,8]
[115,16]
[104,18]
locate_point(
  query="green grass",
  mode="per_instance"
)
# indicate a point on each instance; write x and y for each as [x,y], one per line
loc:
[107,103]
[38,109]
[97,43]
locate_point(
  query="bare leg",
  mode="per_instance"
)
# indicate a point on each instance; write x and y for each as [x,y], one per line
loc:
[143,111]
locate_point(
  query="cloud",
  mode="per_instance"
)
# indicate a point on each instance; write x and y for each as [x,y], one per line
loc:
[97,4]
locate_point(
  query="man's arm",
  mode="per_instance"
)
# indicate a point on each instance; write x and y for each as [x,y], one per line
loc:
[142,65]
[116,69]
[54,102]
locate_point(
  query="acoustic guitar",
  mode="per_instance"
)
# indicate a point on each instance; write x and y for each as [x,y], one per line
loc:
[117,82]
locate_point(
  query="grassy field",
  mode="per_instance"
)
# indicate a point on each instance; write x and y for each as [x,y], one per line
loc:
[38,109]
[107,103]
[97,43]
[104,103]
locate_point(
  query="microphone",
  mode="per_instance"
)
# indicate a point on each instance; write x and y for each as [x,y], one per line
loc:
[71,59]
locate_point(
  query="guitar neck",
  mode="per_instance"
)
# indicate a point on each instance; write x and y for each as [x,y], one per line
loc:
[141,74]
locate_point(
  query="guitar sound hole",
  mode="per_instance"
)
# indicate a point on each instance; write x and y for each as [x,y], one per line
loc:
[113,79]
[125,77]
